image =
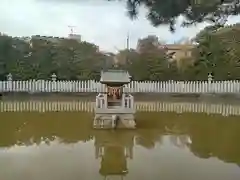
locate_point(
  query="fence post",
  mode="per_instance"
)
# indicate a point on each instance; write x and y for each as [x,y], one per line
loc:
[9,82]
[210,79]
[54,77]
[54,82]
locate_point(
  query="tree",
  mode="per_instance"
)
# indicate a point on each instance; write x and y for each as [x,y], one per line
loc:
[40,58]
[218,52]
[69,59]
[147,43]
[5,51]
[194,11]
[149,62]
[166,12]
[206,31]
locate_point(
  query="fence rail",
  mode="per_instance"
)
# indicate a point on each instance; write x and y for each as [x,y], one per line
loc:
[183,87]
[86,106]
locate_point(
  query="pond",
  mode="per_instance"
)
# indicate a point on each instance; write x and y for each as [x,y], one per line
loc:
[166,145]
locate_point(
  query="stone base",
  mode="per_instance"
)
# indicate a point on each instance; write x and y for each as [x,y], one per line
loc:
[114,121]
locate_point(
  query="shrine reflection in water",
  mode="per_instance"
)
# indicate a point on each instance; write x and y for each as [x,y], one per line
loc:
[169,146]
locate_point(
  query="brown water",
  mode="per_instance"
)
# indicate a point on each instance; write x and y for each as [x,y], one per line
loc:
[168,146]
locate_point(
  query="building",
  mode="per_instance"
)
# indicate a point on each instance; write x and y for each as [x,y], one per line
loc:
[175,51]
[178,51]
[76,37]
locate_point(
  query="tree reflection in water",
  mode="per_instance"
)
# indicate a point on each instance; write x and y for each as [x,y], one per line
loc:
[205,135]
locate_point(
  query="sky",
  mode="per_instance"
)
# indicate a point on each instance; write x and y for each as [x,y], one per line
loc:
[103,23]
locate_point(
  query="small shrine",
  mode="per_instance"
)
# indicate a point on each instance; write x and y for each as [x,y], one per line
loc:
[114,151]
[114,107]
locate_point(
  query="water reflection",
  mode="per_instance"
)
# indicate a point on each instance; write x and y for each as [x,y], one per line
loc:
[114,148]
[205,136]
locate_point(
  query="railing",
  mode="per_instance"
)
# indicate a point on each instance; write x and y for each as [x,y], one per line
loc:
[75,106]
[100,101]
[183,87]
[100,152]
[128,101]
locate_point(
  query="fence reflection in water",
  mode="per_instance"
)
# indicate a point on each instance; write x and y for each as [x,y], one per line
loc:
[87,106]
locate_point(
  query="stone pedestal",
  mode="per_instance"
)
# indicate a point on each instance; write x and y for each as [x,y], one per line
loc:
[108,121]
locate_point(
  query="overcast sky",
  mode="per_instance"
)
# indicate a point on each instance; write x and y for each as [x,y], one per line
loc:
[103,23]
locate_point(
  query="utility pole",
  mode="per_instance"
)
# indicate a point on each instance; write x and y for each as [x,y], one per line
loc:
[126,60]
[128,41]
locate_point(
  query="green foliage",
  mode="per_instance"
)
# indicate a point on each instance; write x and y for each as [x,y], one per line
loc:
[217,52]
[161,12]
[149,62]
[166,12]
[42,56]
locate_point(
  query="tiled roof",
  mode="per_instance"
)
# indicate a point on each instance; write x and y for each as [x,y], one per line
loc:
[117,76]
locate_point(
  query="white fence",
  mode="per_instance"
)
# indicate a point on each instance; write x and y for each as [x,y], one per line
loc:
[200,87]
[86,106]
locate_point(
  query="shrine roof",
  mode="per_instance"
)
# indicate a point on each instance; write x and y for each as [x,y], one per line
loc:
[115,76]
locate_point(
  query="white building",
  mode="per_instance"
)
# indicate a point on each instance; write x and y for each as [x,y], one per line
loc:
[76,37]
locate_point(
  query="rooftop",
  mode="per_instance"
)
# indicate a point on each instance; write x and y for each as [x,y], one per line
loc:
[177,46]
[115,76]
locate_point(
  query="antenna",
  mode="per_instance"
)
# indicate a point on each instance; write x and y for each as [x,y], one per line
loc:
[71,29]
